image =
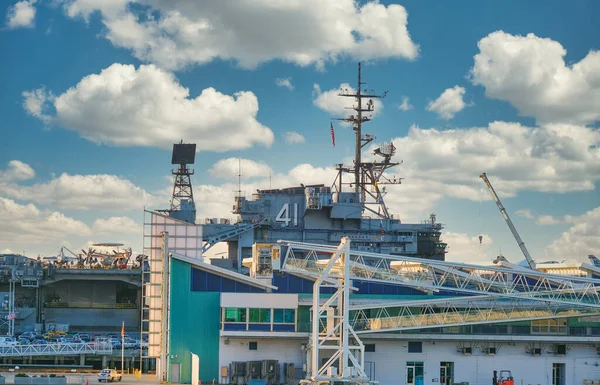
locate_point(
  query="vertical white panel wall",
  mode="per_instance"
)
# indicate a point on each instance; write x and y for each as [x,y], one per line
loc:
[185,239]
[390,358]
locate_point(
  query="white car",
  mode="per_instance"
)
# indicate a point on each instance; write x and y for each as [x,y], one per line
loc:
[109,375]
[7,341]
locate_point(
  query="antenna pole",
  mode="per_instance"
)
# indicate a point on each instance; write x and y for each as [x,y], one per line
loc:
[358,131]
[368,175]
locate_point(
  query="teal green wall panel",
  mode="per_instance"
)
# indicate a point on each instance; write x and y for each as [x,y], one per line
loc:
[195,324]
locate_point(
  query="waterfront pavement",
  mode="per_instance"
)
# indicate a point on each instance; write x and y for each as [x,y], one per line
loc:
[91,378]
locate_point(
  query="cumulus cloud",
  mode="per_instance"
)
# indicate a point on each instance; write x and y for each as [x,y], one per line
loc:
[405,105]
[285,82]
[125,106]
[468,249]
[116,226]
[552,158]
[26,224]
[580,240]
[448,103]
[230,169]
[540,219]
[16,171]
[293,137]
[530,73]
[83,192]
[330,101]
[21,15]
[179,33]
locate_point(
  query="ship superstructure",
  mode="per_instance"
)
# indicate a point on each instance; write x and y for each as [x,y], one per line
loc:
[353,206]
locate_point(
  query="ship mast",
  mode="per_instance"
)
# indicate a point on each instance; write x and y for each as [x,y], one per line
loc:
[366,174]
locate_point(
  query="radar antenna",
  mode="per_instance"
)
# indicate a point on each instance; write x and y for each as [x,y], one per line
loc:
[368,176]
[182,202]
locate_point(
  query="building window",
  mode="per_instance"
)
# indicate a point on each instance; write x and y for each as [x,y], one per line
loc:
[549,326]
[260,315]
[235,314]
[370,348]
[252,345]
[284,316]
[415,347]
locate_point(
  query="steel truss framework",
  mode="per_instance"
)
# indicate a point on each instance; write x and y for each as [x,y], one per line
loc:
[486,294]
[337,343]
[56,349]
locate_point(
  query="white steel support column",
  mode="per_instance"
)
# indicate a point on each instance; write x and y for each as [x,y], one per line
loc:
[338,341]
[164,343]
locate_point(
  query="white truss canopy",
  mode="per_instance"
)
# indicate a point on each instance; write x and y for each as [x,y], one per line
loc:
[475,294]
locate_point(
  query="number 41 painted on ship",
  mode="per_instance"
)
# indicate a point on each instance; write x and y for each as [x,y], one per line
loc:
[284,214]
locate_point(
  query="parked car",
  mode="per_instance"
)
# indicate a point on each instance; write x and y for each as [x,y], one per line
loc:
[29,335]
[109,375]
[39,342]
[7,341]
[23,341]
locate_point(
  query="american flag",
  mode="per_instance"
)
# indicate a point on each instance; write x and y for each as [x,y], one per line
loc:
[332,135]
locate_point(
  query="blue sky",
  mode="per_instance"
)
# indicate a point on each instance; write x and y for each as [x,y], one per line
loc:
[94,94]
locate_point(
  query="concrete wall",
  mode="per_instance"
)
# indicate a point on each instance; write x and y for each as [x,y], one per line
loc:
[90,318]
[390,358]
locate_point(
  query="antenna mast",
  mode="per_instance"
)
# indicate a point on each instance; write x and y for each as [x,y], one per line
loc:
[183,206]
[366,173]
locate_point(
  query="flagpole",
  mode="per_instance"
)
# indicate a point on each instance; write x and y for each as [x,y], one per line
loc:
[122,347]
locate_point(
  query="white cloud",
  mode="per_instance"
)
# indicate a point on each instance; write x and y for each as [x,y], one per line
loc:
[468,249]
[230,169]
[448,103]
[176,34]
[530,73]
[405,105]
[83,192]
[216,200]
[21,15]
[26,224]
[331,102]
[16,171]
[551,158]
[580,240]
[285,82]
[7,251]
[540,219]
[125,106]
[293,137]
[116,226]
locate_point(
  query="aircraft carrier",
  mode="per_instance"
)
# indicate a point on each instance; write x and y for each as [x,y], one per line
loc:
[353,206]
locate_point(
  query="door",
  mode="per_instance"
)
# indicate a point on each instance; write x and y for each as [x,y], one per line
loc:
[175,373]
[414,373]
[558,374]
[446,373]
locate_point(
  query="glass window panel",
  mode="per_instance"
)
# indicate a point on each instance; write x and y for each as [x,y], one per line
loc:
[278,315]
[289,316]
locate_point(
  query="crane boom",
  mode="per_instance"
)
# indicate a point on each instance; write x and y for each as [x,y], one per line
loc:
[512,227]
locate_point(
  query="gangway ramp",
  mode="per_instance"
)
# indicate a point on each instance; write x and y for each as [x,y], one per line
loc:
[56,349]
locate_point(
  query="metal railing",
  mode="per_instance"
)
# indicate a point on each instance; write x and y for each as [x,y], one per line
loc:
[63,349]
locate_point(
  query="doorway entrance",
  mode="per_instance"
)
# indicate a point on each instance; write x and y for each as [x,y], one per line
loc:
[414,373]
[558,374]
[446,373]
